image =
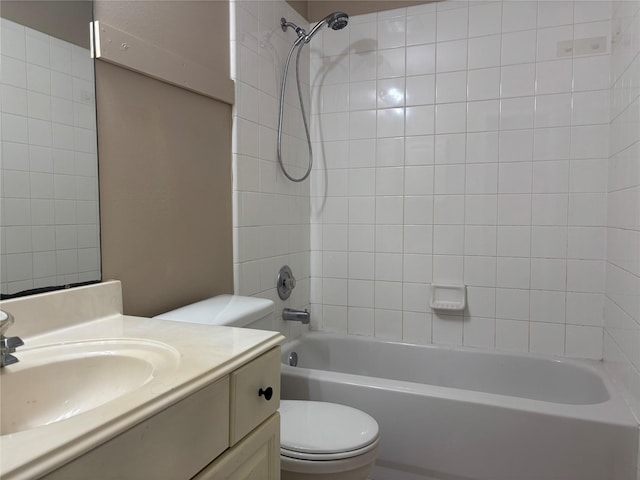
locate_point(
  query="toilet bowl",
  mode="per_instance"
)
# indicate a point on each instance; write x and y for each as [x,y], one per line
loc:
[318,440]
[321,440]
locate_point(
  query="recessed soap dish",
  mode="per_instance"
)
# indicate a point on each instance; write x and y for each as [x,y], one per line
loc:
[448,297]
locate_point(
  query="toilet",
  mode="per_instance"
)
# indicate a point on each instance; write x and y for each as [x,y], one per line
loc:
[318,440]
[321,440]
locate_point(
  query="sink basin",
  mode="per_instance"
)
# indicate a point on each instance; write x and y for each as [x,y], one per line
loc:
[55,382]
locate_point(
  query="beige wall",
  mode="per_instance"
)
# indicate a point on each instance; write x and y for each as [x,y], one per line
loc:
[314,10]
[165,163]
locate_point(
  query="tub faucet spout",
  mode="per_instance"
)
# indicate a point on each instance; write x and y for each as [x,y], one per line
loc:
[296,315]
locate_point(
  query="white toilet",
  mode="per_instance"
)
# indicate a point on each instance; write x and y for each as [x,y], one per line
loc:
[318,440]
[321,440]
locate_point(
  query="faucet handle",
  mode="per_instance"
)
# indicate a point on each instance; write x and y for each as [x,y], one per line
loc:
[9,360]
[12,343]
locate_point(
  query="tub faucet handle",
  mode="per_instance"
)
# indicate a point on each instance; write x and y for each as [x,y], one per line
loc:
[285,282]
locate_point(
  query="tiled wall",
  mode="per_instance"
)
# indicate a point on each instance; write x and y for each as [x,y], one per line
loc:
[622,303]
[49,191]
[271,214]
[461,143]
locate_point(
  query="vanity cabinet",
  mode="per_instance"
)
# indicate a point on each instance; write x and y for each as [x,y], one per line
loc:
[255,398]
[229,429]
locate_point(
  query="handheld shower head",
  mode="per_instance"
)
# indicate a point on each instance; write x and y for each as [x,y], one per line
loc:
[335,20]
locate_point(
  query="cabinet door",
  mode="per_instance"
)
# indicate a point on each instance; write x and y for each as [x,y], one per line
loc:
[256,457]
[250,405]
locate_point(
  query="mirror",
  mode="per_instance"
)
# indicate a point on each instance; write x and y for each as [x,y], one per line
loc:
[49,212]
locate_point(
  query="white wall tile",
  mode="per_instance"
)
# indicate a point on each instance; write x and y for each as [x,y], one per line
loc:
[391,63]
[451,118]
[548,306]
[519,47]
[420,90]
[585,309]
[391,33]
[421,59]
[518,80]
[514,210]
[388,238]
[449,148]
[549,209]
[484,52]
[485,19]
[554,76]
[416,327]
[551,14]
[512,304]
[447,329]
[520,16]
[515,177]
[480,272]
[553,110]
[584,342]
[548,274]
[418,181]
[13,39]
[513,272]
[482,302]
[551,177]
[483,116]
[451,87]
[482,147]
[546,338]
[419,121]
[452,24]
[516,145]
[512,335]
[452,56]
[421,28]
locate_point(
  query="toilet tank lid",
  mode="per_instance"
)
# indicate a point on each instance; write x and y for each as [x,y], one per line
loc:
[228,310]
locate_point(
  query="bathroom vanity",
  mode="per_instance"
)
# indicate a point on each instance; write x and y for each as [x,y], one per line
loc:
[99,394]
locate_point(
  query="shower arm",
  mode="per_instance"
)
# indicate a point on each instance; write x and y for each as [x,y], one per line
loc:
[301,32]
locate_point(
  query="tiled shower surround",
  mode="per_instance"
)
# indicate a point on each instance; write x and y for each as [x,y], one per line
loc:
[49,193]
[463,145]
[455,142]
[271,214]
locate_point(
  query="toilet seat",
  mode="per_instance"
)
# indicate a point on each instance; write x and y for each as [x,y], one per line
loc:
[316,431]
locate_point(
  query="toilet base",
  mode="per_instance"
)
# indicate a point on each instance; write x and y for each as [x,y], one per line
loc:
[354,468]
[361,473]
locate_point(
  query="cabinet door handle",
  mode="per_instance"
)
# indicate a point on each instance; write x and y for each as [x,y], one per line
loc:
[267,392]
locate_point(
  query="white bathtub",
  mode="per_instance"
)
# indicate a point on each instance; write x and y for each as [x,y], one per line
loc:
[462,414]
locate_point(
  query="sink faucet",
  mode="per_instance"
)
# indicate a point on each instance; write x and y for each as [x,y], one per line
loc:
[8,345]
[296,315]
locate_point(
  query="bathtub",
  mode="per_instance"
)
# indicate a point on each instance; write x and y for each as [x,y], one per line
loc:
[467,414]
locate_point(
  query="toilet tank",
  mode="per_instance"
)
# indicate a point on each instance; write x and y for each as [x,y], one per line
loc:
[226,310]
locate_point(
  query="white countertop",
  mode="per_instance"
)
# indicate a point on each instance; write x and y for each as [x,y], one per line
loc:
[206,354]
